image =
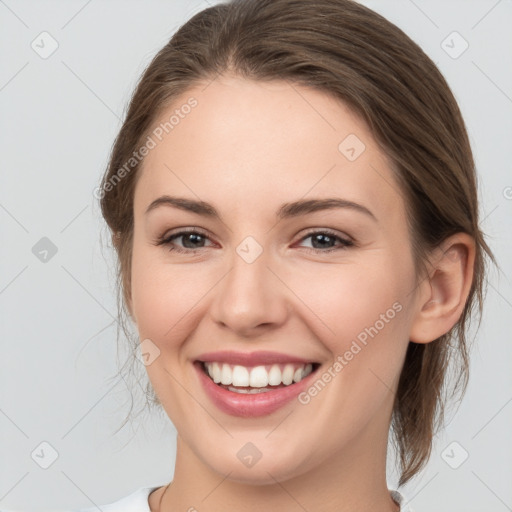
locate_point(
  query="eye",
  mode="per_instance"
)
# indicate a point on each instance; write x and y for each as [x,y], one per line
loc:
[325,240]
[191,240]
[322,241]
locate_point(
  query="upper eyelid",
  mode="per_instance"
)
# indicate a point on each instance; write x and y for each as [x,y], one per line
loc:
[184,231]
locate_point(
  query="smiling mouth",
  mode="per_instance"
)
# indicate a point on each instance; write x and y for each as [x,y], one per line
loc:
[256,379]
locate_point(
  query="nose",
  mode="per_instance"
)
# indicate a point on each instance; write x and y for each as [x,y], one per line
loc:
[250,298]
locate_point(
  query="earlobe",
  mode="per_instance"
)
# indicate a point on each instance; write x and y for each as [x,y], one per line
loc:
[443,294]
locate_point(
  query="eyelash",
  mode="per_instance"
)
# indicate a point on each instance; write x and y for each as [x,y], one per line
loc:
[168,241]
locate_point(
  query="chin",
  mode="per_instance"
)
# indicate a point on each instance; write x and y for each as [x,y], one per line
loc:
[272,467]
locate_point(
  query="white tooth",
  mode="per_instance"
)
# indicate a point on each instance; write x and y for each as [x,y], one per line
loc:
[258,377]
[274,375]
[216,373]
[240,376]
[307,370]
[226,377]
[209,370]
[297,376]
[288,374]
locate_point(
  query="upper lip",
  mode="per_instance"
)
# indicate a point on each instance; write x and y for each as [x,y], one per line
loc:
[251,358]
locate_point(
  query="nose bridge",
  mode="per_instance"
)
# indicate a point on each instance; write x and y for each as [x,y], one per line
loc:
[249,295]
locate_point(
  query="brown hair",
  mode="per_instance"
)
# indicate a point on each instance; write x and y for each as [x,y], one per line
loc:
[352,53]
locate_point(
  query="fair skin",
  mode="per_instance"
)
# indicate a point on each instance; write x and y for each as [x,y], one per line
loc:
[247,148]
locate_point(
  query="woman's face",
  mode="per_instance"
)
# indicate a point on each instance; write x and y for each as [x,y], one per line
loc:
[300,260]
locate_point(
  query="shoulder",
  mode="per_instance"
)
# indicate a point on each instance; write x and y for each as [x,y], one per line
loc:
[137,501]
[402,501]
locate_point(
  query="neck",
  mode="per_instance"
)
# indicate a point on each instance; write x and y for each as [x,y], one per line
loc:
[354,479]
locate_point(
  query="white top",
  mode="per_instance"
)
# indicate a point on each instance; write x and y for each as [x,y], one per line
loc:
[135,502]
[138,502]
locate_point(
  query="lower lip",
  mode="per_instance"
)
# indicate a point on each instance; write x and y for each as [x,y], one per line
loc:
[250,405]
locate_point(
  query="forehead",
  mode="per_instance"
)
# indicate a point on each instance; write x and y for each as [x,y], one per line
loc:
[246,141]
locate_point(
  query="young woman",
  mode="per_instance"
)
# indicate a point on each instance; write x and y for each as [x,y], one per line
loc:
[292,197]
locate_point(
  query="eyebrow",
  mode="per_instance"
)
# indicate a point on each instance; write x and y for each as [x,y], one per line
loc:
[285,211]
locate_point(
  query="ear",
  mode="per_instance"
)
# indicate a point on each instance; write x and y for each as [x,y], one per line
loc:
[443,293]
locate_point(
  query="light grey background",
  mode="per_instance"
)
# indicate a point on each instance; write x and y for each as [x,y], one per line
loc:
[58,385]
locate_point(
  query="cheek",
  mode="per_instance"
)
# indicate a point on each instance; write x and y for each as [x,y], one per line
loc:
[161,301]
[365,317]
[352,299]
[166,298]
